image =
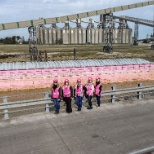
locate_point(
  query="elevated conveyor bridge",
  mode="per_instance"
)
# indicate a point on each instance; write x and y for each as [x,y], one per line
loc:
[43,21]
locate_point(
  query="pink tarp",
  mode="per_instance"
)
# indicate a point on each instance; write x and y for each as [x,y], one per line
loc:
[42,78]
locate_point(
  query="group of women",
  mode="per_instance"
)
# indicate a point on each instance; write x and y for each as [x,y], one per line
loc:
[67,93]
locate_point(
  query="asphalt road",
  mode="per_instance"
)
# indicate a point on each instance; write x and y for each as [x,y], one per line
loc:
[113,129]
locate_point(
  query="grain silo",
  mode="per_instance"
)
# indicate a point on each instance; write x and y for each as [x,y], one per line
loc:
[38,34]
[90,32]
[50,35]
[115,35]
[96,35]
[74,35]
[54,35]
[59,35]
[100,34]
[66,33]
[46,34]
[41,36]
[83,30]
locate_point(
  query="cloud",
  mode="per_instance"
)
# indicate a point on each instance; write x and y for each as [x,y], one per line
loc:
[15,10]
[46,1]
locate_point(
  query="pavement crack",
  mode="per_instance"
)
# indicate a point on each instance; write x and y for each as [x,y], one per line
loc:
[59,135]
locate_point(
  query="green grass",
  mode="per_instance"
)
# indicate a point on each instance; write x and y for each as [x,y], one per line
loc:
[78,54]
[86,53]
[49,48]
[70,48]
[13,48]
[65,52]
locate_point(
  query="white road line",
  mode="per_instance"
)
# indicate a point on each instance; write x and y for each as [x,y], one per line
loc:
[143,150]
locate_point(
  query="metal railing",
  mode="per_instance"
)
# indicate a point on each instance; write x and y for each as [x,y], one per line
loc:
[112,95]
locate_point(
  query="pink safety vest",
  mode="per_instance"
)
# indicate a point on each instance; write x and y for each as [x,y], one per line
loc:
[66,91]
[55,93]
[79,90]
[97,90]
[90,89]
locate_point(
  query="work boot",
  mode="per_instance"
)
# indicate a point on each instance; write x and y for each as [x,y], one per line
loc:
[56,112]
[79,109]
[89,108]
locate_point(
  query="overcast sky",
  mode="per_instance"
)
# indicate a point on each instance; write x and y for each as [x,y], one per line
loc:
[19,10]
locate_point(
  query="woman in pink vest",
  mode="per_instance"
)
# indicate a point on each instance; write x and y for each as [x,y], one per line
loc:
[56,94]
[67,94]
[89,92]
[78,94]
[98,90]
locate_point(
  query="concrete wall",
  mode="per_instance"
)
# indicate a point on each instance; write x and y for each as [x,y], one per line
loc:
[42,78]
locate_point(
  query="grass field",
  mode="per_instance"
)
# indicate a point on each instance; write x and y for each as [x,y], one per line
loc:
[14,53]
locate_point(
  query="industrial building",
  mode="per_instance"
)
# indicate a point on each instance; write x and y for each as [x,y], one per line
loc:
[80,35]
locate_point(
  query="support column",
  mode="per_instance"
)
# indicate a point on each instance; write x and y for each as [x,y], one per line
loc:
[136,33]
[33,51]
[108,33]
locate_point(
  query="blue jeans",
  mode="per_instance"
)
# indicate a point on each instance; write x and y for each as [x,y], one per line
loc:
[78,101]
[89,101]
[56,104]
[98,100]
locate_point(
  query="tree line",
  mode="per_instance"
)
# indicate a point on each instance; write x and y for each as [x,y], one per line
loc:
[13,40]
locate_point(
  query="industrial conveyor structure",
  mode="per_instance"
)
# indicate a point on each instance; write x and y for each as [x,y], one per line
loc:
[137,21]
[62,19]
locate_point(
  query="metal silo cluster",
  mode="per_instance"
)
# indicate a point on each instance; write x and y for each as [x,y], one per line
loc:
[80,35]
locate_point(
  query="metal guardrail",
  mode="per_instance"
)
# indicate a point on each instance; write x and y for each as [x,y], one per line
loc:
[5,106]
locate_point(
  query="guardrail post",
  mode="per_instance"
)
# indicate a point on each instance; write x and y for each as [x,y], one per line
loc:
[46,95]
[6,114]
[139,93]
[113,96]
